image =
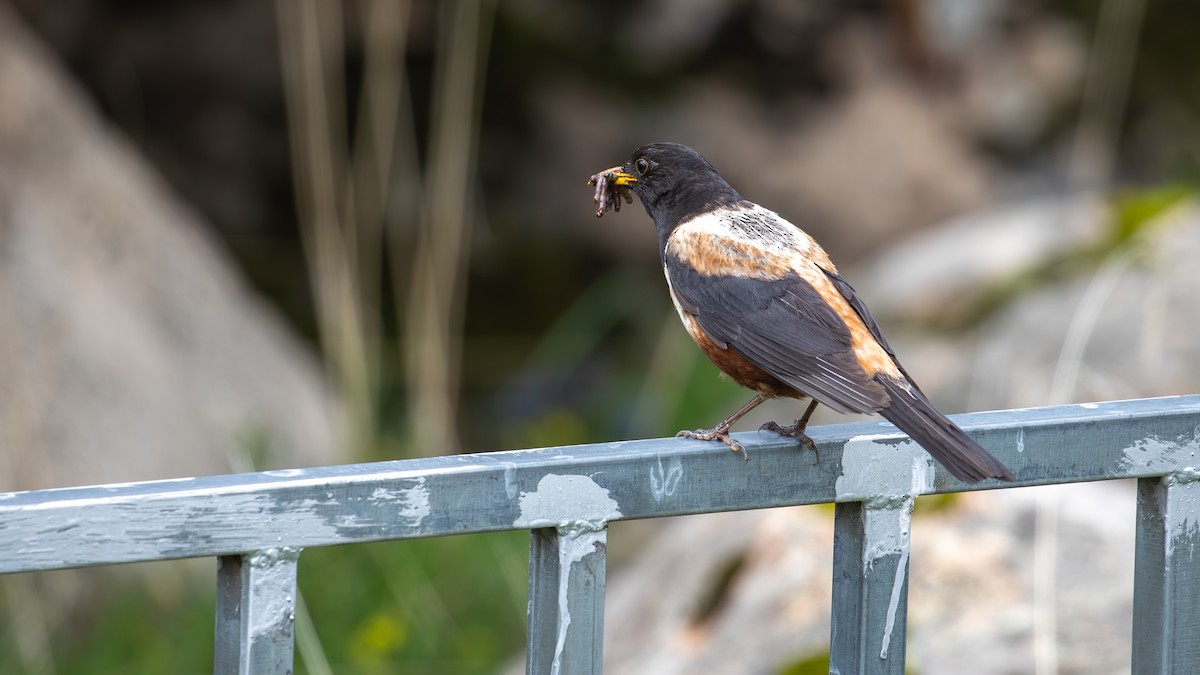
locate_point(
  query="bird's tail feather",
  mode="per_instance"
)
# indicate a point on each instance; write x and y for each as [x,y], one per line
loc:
[959,453]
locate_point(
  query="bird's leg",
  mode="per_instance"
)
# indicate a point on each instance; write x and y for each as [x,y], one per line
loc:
[796,430]
[721,431]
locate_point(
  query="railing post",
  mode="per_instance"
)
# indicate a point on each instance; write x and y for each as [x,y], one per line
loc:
[256,612]
[566,601]
[1166,588]
[870,586]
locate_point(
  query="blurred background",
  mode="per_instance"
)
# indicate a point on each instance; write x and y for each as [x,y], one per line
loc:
[246,235]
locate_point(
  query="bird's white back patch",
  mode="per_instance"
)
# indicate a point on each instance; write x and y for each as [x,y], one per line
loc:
[762,241]
[752,226]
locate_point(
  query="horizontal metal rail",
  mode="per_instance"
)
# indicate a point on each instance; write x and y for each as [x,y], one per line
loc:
[257,523]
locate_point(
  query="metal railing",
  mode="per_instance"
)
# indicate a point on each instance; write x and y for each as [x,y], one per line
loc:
[256,524]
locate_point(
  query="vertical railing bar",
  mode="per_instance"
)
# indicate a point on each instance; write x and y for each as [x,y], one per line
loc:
[868,628]
[256,613]
[565,629]
[1149,569]
[1166,589]
[228,641]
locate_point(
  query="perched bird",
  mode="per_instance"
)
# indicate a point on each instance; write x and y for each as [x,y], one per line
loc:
[763,301]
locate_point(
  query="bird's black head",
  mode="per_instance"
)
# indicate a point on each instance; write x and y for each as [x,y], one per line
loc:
[674,183]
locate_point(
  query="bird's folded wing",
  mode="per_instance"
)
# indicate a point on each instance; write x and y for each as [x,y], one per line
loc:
[784,326]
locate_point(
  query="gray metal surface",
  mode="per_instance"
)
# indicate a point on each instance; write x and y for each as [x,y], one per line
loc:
[303,508]
[256,613]
[870,587]
[566,601]
[877,490]
[1166,612]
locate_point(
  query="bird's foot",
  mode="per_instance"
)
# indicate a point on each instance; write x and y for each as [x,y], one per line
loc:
[716,434]
[795,431]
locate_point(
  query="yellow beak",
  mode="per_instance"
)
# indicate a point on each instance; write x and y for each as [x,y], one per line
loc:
[617,176]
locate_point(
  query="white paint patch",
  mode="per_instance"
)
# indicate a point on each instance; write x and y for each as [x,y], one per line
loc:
[1089,406]
[1188,474]
[284,473]
[1151,455]
[1188,535]
[889,538]
[893,604]
[574,546]
[871,469]
[664,481]
[1184,494]
[312,503]
[566,502]
[272,610]
[161,481]
[510,474]
[886,529]
[413,501]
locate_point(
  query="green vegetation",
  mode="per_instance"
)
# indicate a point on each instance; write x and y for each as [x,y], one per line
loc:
[815,664]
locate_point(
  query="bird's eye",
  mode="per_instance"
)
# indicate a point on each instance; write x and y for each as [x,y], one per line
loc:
[642,165]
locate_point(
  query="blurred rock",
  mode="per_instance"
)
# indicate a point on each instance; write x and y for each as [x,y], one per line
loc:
[1116,329]
[1125,330]
[723,593]
[130,348]
[750,592]
[940,275]
[1015,67]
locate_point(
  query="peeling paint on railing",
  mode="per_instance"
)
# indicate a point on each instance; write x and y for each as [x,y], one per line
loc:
[877,465]
[576,545]
[894,541]
[567,503]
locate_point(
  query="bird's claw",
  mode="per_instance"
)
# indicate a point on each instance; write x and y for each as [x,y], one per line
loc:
[716,435]
[795,431]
